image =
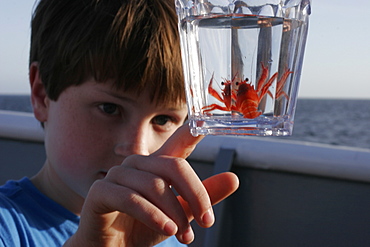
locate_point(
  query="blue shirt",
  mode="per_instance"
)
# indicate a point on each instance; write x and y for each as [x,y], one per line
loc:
[29,218]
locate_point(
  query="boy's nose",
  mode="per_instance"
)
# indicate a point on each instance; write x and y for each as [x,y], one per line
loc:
[125,149]
[134,141]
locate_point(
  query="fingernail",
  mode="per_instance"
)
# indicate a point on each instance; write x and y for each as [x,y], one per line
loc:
[208,218]
[187,236]
[170,228]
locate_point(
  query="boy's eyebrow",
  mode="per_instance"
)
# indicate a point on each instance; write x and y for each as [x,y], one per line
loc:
[116,95]
[170,107]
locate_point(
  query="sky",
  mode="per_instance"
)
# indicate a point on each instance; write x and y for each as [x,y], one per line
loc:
[336,63]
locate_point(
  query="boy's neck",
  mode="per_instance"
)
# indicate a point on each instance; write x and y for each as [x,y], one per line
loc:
[53,187]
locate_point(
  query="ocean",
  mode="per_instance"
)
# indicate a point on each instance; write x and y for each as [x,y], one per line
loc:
[326,121]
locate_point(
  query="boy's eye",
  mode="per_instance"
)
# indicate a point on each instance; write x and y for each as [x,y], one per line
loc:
[161,120]
[109,108]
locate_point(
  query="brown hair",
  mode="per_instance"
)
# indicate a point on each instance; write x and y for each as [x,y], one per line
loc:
[133,42]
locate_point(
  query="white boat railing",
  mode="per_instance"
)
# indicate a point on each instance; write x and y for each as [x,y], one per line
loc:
[20,126]
[291,156]
[256,152]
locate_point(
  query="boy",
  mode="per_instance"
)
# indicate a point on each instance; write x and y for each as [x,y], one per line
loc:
[106,84]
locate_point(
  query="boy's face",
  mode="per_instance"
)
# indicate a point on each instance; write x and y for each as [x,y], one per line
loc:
[93,127]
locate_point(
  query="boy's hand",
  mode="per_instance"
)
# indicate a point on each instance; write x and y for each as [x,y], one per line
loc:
[135,206]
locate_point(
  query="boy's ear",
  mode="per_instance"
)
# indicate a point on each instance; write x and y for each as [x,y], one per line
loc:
[39,98]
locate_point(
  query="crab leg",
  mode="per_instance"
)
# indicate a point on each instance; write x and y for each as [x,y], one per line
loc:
[281,83]
[212,91]
[263,78]
[266,87]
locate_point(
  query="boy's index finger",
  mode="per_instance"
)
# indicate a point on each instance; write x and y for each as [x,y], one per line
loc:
[180,144]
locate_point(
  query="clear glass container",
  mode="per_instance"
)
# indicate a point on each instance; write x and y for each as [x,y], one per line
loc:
[242,64]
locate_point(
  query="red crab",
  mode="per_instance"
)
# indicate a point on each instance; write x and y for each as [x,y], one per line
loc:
[245,99]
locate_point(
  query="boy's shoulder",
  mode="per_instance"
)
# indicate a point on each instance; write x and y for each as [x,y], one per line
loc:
[11,193]
[19,195]
[13,223]
[29,218]
[23,197]
[12,186]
